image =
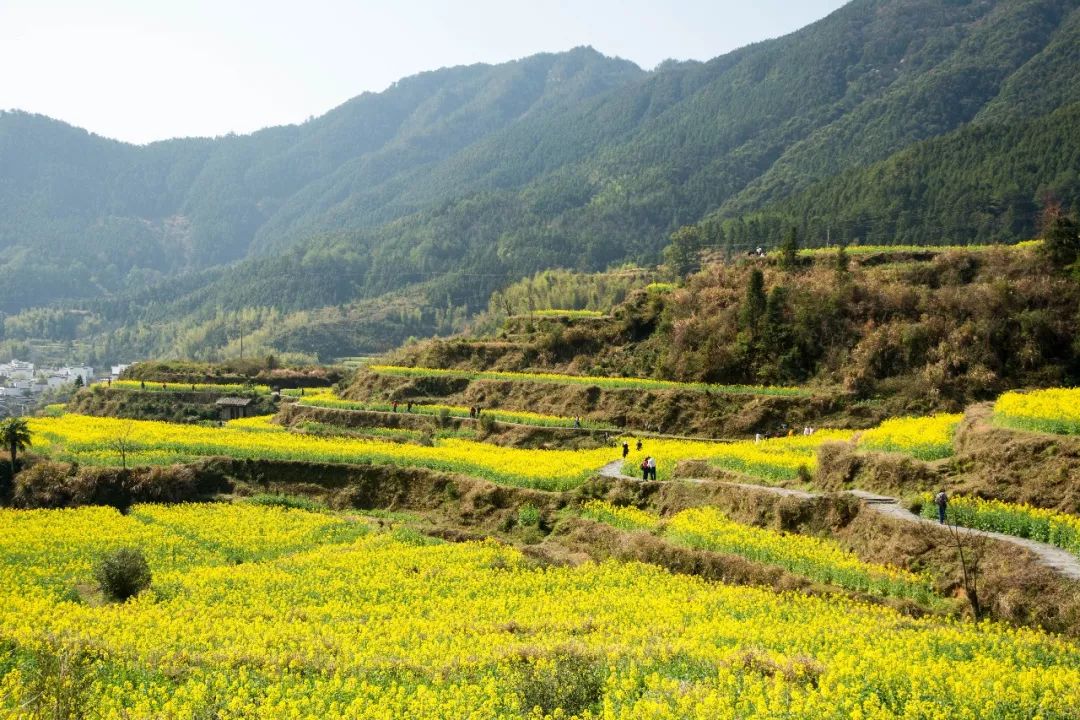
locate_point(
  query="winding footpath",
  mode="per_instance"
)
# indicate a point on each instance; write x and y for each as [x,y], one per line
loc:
[1054,558]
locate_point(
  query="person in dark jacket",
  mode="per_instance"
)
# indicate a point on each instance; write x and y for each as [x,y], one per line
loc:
[942,502]
[625,449]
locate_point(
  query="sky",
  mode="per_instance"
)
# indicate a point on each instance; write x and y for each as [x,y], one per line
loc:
[144,70]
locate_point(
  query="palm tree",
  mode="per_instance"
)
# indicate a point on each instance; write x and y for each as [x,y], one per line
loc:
[15,436]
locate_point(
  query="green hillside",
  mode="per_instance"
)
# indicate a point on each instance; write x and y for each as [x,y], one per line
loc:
[182,205]
[399,213]
[982,183]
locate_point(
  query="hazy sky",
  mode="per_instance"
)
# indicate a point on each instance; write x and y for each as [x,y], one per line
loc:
[142,70]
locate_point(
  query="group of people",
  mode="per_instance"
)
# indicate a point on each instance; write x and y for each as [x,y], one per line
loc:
[408,407]
[626,448]
[783,431]
[648,465]
[474,411]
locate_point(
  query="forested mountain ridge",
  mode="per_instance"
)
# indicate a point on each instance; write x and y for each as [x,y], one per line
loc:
[465,179]
[111,215]
[979,184]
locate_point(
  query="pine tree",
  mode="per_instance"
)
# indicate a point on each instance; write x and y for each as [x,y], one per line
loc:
[754,305]
[789,250]
[1062,240]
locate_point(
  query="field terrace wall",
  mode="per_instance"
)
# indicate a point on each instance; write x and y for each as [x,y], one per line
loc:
[495,431]
[1013,585]
[990,462]
[675,412]
[1014,465]
[235,374]
[174,406]
[464,501]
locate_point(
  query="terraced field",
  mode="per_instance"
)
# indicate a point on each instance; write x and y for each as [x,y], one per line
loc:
[92,441]
[172,387]
[328,399]
[599,381]
[1025,521]
[327,618]
[1055,410]
[815,558]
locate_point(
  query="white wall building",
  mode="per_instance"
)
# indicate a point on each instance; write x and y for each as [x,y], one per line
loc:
[86,373]
[17,370]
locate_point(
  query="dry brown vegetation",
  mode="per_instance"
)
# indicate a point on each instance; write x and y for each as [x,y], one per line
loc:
[260,371]
[917,333]
[670,411]
[990,462]
[174,406]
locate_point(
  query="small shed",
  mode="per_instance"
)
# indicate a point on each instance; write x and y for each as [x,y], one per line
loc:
[233,408]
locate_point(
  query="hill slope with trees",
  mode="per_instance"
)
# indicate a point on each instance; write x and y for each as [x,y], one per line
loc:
[405,209]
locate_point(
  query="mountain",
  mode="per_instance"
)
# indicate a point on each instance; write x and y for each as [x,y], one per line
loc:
[399,212]
[107,215]
[979,184]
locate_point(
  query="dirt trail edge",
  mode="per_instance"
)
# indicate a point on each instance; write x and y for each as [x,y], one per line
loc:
[1060,561]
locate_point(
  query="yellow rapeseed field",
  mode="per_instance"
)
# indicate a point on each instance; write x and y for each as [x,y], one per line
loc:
[87,439]
[1021,520]
[927,438]
[816,558]
[1052,411]
[363,625]
[812,557]
[622,516]
[775,460]
[330,399]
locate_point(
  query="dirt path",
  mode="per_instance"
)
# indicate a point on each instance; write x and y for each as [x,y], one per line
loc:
[1060,561]
[614,470]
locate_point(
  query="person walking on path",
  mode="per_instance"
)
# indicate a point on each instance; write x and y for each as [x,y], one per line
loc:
[625,449]
[942,502]
[645,469]
[395,406]
[652,467]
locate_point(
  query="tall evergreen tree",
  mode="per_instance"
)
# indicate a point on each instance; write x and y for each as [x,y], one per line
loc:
[789,250]
[1062,240]
[754,304]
